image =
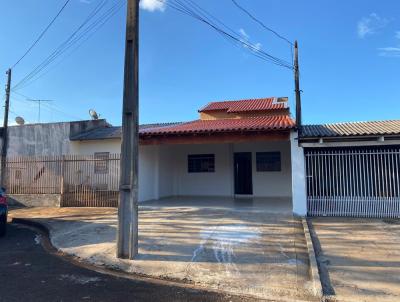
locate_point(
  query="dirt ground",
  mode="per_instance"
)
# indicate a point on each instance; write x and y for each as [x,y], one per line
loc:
[360,258]
[244,252]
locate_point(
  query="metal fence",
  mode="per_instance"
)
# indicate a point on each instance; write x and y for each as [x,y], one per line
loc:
[362,182]
[80,180]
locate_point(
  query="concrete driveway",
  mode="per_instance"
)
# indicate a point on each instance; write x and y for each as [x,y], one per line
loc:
[359,258]
[238,250]
[29,273]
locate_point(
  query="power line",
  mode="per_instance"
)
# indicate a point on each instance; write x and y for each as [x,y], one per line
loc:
[85,29]
[260,22]
[56,109]
[53,55]
[96,26]
[42,34]
[202,15]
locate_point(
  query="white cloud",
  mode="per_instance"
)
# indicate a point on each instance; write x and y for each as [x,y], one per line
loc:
[245,39]
[391,51]
[153,5]
[371,25]
[244,34]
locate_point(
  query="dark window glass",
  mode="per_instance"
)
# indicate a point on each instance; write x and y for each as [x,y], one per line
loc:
[201,163]
[268,161]
[101,162]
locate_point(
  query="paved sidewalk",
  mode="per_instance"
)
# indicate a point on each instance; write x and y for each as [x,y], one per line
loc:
[243,252]
[360,257]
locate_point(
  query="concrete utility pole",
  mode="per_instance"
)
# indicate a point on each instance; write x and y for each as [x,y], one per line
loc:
[297,87]
[127,238]
[5,130]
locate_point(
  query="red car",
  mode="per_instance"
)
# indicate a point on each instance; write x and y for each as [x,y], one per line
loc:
[3,212]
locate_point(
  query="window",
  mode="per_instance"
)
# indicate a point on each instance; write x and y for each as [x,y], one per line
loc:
[201,163]
[101,162]
[268,161]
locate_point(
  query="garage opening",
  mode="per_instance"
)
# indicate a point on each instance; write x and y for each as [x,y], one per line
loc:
[356,182]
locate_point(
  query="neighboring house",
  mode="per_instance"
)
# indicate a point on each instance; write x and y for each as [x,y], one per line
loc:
[353,169]
[47,138]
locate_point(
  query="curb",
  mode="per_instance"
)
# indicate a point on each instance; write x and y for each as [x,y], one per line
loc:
[314,273]
[46,243]
[31,223]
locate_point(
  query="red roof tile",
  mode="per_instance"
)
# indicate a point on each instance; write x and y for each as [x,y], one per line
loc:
[245,105]
[265,123]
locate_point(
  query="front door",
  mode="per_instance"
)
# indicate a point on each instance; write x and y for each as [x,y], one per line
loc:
[243,173]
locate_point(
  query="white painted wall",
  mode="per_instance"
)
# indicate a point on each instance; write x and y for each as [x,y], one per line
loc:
[270,184]
[218,183]
[167,174]
[148,172]
[299,198]
[221,182]
[163,170]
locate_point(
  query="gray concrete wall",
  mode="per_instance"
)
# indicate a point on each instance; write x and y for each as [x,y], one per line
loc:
[46,139]
[34,200]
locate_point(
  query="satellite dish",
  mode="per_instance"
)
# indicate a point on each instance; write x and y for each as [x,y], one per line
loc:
[19,120]
[93,114]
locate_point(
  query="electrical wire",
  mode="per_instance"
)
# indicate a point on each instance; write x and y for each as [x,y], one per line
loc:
[42,34]
[195,11]
[95,26]
[260,22]
[87,28]
[54,54]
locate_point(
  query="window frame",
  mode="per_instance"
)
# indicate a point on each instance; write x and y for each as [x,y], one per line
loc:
[197,167]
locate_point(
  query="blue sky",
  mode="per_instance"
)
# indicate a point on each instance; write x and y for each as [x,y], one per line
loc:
[349,59]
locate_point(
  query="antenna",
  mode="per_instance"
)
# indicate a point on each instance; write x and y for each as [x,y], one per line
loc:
[93,114]
[39,104]
[20,120]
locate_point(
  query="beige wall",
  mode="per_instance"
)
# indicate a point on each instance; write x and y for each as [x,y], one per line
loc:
[91,147]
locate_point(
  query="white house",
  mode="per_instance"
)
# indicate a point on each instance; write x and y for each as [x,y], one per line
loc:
[245,148]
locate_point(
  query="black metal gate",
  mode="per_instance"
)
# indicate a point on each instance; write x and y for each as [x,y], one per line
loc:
[356,182]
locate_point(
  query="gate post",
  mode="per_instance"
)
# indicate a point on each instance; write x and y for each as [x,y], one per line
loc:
[62,181]
[299,194]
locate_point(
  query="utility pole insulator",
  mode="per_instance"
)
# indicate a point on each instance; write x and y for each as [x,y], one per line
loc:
[127,236]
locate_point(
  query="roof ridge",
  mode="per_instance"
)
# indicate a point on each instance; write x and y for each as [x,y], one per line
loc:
[248,99]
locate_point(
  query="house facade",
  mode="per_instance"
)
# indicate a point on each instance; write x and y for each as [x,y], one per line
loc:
[236,149]
[246,150]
